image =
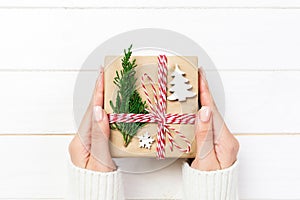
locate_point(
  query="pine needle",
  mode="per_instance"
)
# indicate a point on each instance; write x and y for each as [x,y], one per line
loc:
[128,99]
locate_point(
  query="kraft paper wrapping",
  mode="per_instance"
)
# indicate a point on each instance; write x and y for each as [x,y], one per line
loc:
[148,64]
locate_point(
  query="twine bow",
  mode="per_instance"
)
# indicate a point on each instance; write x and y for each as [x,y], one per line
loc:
[157,113]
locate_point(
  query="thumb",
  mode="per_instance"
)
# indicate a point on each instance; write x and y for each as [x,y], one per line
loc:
[100,124]
[204,132]
[100,138]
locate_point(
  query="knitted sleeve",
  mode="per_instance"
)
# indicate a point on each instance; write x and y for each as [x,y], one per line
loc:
[210,185]
[85,184]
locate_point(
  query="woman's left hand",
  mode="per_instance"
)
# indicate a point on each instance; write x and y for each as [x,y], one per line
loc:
[89,148]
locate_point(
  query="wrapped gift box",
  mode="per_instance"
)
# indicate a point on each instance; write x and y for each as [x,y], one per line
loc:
[149,65]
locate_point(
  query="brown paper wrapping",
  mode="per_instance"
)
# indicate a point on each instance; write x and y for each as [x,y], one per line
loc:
[148,64]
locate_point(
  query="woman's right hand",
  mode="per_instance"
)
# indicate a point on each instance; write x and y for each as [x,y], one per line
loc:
[217,148]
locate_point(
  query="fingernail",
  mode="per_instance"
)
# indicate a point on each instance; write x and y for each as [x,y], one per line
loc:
[101,69]
[100,74]
[205,113]
[98,113]
[200,68]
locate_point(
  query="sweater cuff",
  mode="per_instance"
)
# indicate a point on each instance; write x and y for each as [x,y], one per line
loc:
[210,185]
[91,185]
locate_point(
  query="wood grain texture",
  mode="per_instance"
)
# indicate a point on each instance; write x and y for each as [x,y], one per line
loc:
[61,39]
[146,4]
[254,45]
[37,169]
[42,102]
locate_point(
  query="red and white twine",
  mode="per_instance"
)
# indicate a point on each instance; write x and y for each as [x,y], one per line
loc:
[157,113]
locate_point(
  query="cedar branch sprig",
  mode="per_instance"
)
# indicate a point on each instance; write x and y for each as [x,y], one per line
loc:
[128,100]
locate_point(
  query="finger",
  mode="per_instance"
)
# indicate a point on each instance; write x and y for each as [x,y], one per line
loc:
[206,157]
[206,99]
[100,139]
[99,90]
[100,122]
[205,95]
[204,132]
[80,146]
[84,129]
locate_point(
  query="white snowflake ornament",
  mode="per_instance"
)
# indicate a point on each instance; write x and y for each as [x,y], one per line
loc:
[145,141]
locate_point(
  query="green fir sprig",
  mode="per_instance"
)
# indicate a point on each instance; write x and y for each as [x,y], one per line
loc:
[128,100]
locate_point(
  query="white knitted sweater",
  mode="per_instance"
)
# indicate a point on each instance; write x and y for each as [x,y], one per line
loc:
[197,185]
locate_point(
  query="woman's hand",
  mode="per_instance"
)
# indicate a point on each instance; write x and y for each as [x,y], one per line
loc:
[217,148]
[89,148]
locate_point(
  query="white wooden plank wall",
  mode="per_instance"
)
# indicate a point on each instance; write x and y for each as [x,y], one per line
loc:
[254,44]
